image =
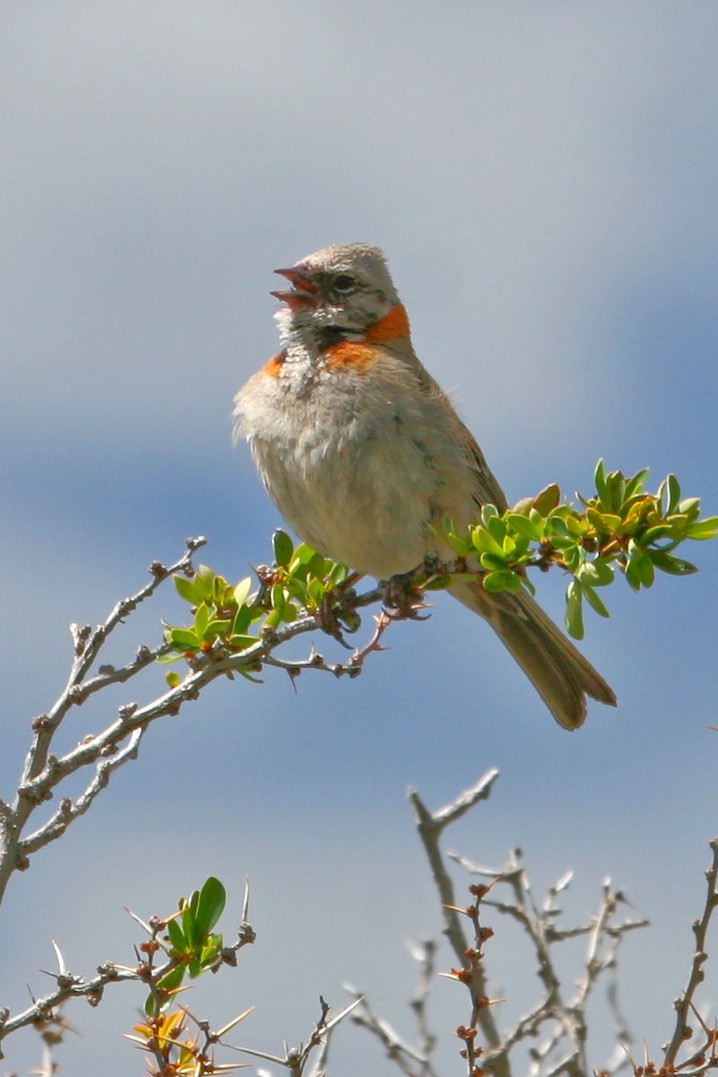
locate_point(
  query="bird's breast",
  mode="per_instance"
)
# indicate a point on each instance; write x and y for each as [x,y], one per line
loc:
[355,454]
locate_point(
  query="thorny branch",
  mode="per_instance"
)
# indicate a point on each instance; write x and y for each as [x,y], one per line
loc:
[566,1017]
[43,1012]
[412,1061]
[118,742]
[562,1051]
[685,1003]
[67,986]
[431,826]
[295,1059]
[42,771]
[564,1014]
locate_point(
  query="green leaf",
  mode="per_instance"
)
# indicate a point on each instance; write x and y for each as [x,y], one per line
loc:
[320,566]
[574,610]
[673,492]
[547,500]
[176,935]
[604,521]
[646,571]
[173,679]
[211,950]
[557,527]
[599,478]
[596,573]
[242,589]
[523,526]
[187,589]
[508,547]
[634,485]
[217,627]
[633,577]
[243,619]
[501,580]
[674,566]
[183,639]
[492,562]
[459,543]
[283,547]
[639,570]
[703,529]
[690,506]
[523,506]
[304,553]
[497,529]
[204,581]
[593,600]
[241,642]
[249,677]
[168,659]
[188,920]
[338,574]
[656,532]
[289,612]
[316,591]
[220,591]
[603,572]
[169,982]
[278,599]
[485,542]
[210,906]
[201,620]
[616,487]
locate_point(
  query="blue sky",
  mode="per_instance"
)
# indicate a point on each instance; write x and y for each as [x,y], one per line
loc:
[543,180]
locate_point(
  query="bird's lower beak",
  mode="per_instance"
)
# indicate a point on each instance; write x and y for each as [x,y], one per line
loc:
[304,291]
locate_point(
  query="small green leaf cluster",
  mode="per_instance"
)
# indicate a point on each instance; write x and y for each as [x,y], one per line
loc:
[504,542]
[193,946]
[303,580]
[620,526]
[233,618]
[222,611]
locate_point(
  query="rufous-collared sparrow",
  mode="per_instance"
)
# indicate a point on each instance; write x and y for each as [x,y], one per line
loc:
[364,454]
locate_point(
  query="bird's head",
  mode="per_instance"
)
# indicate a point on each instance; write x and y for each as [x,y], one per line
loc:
[344,289]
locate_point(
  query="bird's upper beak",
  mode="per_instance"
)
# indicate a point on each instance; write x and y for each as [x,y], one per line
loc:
[304,290]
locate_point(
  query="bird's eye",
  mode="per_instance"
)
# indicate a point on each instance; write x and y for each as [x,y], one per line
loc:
[344,282]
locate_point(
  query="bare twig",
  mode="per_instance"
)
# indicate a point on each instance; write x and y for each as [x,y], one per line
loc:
[425,956]
[685,1003]
[412,1061]
[566,1017]
[430,826]
[70,810]
[67,986]
[295,1059]
[42,771]
[560,1016]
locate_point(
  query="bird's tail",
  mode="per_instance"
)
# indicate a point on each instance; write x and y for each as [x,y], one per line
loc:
[558,671]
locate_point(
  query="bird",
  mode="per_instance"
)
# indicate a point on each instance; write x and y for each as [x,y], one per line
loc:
[365,456]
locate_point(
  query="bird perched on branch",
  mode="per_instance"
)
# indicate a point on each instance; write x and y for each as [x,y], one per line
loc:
[364,455]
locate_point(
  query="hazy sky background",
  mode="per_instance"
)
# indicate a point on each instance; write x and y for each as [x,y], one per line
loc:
[543,179]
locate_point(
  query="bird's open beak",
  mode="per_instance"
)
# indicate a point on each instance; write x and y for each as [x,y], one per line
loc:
[304,291]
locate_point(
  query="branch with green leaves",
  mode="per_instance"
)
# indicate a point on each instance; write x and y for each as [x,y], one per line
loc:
[183,943]
[620,530]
